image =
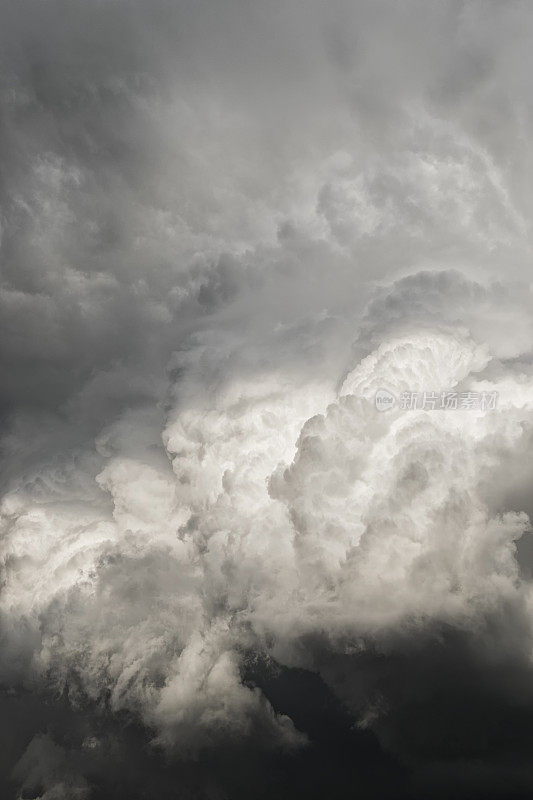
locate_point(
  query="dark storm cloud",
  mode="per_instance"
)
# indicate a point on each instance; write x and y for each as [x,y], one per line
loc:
[223,227]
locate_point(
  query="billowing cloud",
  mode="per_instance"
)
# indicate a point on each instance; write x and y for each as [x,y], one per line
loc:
[225,227]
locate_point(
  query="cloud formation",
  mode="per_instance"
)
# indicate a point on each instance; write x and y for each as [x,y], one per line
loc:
[224,227]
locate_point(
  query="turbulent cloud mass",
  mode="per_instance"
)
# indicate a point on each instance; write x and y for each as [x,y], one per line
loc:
[225,226]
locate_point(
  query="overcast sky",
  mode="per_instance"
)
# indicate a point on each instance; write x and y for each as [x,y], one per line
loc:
[225,572]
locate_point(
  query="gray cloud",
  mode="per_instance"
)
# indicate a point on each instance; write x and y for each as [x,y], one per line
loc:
[223,227]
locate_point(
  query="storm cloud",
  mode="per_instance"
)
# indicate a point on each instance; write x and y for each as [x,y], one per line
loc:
[225,572]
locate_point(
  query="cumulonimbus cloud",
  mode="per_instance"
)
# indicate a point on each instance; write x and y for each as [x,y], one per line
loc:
[223,230]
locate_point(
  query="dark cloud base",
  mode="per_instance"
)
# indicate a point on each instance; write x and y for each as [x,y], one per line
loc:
[458,724]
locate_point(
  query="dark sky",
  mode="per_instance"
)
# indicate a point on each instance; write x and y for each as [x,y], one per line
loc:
[225,226]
